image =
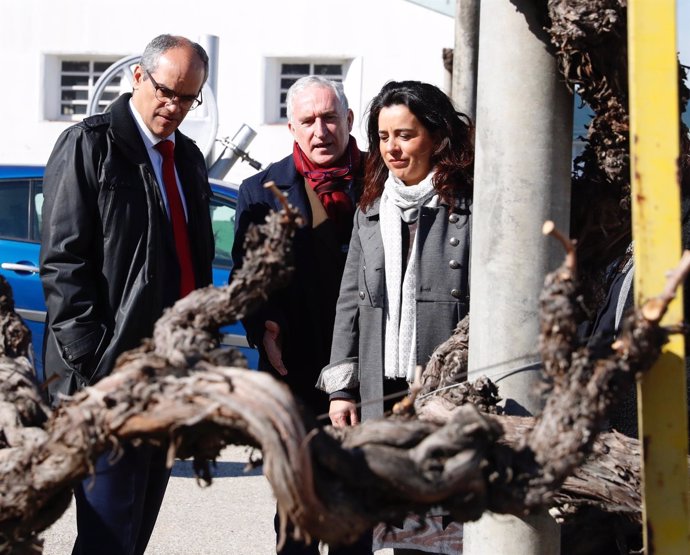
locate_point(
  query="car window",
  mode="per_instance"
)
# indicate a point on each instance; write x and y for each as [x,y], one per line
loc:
[14,209]
[21,201]
[36,208]
[223,220]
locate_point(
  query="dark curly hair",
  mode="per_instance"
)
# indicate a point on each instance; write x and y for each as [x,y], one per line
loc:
[453,131]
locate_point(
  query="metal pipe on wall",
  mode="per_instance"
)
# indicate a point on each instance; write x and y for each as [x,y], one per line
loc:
[211,45]
[465,56]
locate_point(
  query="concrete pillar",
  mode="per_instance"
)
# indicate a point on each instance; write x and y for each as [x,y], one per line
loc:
[507,535]
[522,177]
[464,79]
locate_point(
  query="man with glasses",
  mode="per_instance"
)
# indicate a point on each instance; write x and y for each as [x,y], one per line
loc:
[126,233]
[322,179]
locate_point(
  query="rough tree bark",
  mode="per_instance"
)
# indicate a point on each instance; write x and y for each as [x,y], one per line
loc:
[590,40]
[41,458]
[179,389]
[332,484]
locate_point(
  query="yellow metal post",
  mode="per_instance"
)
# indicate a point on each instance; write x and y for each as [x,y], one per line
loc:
[654,133]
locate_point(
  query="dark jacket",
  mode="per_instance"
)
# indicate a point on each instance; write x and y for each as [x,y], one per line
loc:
[305,309]
[108,260]
[442,295]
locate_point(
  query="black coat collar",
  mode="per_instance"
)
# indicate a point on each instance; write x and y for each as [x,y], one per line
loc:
[125,132]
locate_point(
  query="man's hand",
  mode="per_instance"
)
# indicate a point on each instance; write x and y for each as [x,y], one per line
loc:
[274,347]
[343,412]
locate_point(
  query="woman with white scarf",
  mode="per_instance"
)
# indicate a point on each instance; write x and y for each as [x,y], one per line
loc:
[406,280]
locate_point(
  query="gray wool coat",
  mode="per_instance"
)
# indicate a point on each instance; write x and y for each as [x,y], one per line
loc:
[443,256]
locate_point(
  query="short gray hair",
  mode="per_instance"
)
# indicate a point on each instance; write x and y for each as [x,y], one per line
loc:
[315,81]
[161,44]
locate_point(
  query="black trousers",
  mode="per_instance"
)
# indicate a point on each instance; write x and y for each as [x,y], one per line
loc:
[118,506]
[292,547]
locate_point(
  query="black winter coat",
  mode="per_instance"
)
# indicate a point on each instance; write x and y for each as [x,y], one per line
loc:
[108,261]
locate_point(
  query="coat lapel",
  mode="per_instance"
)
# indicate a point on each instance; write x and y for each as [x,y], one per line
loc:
[291,184]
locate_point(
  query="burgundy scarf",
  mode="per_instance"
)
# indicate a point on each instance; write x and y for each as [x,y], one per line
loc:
[330,184]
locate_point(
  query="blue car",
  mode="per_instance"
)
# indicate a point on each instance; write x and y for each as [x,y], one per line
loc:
[21,198]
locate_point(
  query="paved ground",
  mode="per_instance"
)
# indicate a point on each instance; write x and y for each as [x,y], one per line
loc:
[234,516]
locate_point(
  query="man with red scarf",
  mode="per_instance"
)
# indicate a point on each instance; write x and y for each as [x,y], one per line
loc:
[322,179]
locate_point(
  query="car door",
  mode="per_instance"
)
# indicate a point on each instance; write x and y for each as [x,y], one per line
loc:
[223,205]
[21,199]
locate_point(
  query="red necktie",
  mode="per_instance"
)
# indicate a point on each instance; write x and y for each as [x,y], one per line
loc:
[179,225]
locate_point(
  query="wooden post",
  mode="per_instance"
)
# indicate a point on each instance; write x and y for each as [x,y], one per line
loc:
[654,140]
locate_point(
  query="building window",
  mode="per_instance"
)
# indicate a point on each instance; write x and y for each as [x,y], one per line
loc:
[77,80]
[290,71]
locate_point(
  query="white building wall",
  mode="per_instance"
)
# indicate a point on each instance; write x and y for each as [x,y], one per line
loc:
[385,39]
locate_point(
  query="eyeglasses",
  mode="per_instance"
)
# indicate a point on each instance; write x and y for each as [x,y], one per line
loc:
[168,96]
[318,175]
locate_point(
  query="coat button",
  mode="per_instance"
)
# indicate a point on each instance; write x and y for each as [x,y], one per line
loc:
[453,218]
[454,264]
[455,293]
[362,295]
[454,241]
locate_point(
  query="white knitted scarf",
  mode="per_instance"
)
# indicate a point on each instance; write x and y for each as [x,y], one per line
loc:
[401,203]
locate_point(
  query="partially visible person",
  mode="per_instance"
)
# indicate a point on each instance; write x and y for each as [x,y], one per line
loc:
[406,281]
[322,179]
[126,232]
